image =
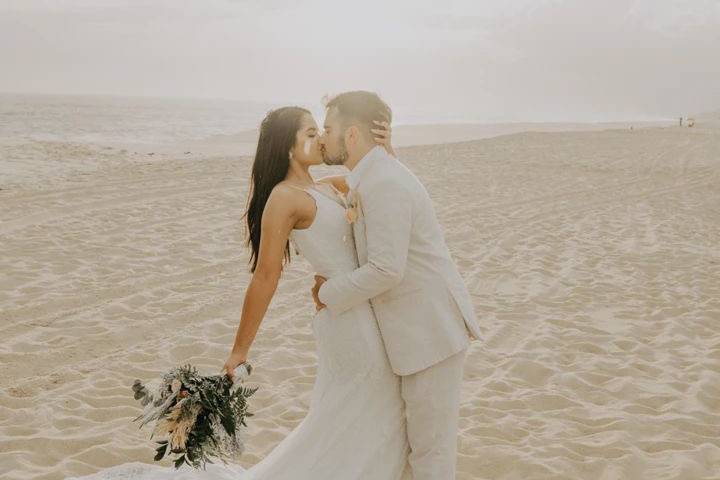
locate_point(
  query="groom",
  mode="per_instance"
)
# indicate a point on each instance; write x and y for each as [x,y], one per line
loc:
[420,301]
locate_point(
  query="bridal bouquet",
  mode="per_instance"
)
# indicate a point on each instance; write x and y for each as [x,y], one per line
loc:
[197,416]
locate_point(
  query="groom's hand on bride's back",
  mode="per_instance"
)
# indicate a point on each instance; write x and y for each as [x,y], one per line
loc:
[315,291]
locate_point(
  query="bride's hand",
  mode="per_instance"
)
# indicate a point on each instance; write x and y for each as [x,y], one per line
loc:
[383,136]
[231,364]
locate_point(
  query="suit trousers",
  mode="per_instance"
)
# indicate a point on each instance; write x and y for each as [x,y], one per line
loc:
[432,408]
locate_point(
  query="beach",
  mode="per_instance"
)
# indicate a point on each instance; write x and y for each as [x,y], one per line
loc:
[592,257]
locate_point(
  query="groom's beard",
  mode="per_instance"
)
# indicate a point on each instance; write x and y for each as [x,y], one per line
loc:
[339,159]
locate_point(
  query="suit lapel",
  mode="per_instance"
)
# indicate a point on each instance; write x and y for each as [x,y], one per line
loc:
[359,230]
[360,236]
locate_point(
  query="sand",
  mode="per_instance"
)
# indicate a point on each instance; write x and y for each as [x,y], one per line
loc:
[593,259]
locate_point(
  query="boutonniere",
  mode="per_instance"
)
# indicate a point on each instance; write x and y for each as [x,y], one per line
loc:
[351,200]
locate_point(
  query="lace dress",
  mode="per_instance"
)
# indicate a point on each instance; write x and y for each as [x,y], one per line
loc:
[355,426]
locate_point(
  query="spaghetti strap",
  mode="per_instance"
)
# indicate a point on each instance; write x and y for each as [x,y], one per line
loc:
[298,188]
[310,191]
[313,192]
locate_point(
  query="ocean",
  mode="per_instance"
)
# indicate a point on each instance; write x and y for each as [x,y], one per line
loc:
[123,120]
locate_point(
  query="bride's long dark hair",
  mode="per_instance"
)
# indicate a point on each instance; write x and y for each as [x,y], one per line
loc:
[278,132]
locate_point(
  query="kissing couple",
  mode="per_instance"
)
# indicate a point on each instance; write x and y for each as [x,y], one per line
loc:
[394,318]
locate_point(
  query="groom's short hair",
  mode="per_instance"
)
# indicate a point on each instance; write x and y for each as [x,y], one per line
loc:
[360,107]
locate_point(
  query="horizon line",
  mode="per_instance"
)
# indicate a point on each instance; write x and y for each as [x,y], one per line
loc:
[306,102]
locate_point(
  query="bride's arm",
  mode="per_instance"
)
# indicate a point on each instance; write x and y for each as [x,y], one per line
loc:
[278,220]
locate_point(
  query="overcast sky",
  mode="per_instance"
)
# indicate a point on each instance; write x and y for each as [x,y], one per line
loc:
[481,60]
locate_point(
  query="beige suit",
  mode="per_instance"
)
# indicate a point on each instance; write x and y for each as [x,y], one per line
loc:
[422,306]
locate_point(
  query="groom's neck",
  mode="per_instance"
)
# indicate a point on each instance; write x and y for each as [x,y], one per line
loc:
[358,155]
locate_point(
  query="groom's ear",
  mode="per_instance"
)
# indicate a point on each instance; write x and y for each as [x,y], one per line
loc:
[352,135]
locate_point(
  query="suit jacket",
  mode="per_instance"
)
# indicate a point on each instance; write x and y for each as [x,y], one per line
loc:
[421,303]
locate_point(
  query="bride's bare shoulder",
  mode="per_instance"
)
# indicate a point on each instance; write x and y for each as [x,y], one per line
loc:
[289,201]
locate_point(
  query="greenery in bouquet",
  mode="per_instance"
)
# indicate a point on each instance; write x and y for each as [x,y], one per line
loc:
[197,417]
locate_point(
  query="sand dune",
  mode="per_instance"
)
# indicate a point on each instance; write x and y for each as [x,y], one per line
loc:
[593,259]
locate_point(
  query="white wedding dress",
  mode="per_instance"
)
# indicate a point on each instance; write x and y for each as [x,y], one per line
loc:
[355,426]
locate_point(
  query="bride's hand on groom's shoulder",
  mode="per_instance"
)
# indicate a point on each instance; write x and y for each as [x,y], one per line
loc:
[383,136]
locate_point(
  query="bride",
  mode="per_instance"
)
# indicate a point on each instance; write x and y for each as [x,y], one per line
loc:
[355,426]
